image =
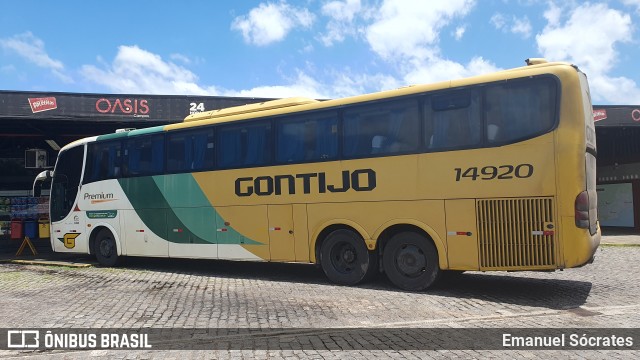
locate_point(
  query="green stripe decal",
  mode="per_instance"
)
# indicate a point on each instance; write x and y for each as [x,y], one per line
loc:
[175,208]
[124,134]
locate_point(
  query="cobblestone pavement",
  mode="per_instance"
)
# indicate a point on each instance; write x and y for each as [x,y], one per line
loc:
[161,293]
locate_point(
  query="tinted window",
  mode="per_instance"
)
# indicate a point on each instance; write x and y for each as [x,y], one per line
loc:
[307,139]
[381,128]
[520,109]
[190,150]
[243,145]
[65,182]
[144,155]
[103,161]
[453,120]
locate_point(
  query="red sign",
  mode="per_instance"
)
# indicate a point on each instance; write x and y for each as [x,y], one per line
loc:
[599,114]
[42,104]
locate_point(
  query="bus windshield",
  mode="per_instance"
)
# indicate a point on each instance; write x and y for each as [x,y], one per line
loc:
[65,182]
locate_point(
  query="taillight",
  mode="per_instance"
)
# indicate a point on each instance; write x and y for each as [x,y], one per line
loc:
[582,210]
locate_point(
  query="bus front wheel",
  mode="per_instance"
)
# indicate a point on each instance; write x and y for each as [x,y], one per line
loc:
[105,248]
[345,259]
[410,261]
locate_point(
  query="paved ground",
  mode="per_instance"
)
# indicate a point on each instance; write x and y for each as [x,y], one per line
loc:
[153,293]
[620,237]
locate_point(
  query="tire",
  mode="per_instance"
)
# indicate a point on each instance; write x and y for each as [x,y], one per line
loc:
[345,259]
[410,261]
[106,249]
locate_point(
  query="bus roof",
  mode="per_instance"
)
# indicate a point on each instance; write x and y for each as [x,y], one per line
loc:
[300,104]
[251,108]
[297,104]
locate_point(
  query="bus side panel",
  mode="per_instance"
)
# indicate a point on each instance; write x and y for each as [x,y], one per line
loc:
[577,249]
[574,135]
[281,232]
[301,232]
[70,234]
[243,233]
[462,234]
[517,170]
[199,240]
[140,240]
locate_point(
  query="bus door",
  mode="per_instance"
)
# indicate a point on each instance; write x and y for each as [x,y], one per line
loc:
[68,228]
[288,240]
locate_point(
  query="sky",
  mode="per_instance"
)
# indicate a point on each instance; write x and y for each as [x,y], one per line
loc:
[312,48]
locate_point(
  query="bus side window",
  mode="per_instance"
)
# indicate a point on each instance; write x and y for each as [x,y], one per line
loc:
[383,128]
[246,145]
[144,155]
[307,139]
[456,120]
[496,128]
[190,150]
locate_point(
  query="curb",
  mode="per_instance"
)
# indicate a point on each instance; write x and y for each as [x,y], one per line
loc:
[47,263]
[619,245]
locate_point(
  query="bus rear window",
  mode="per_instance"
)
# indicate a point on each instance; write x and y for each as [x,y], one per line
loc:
[519,110]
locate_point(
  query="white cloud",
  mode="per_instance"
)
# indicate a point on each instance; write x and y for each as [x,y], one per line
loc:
[302,85]
[635,3]
[32,49]
[135,70]
[460,30]
[341,24]
[498,21]
[515,25]
[521,27]
[405,29]
[181,58]
[438,69]
[406,33]
[271,22]
[588,38]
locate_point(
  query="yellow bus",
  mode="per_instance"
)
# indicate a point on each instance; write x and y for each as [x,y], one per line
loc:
[493,172]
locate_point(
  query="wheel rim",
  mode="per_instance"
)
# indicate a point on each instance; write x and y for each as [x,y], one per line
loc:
[344,257]
[411,261]
[106,247]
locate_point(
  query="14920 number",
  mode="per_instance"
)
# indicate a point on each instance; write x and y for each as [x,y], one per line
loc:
[501,172]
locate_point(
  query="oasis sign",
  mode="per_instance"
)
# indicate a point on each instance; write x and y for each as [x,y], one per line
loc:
[135,107]
[356,180]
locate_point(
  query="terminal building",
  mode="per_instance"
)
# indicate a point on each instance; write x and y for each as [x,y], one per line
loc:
[34,125]
[618,161]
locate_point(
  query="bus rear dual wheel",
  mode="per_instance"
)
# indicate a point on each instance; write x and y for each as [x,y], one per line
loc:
[345,259]
[410,261]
